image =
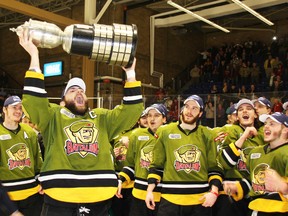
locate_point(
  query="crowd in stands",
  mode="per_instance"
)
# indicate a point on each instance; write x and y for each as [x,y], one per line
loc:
[223,75]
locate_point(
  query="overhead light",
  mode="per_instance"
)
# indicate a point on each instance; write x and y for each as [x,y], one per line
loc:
[250,10]
[197,16]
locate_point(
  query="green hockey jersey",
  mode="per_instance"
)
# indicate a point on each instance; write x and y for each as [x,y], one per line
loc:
[229,156]
[188,162]
[78,166]
[119,160]
[138,159]
[260,159]
[20,161]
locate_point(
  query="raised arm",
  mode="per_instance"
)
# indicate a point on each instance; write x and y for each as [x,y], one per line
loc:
[26,42]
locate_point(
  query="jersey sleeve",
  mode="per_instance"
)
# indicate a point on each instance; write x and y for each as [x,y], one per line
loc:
[35,103]
[157,166]
[127,114]
[229,154]
[128,171]
[215,171]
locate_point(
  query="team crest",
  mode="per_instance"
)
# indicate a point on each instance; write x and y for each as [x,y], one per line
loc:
[19,156]
[258,176]
[121,147]
[146,156]
[82,139]
[241,164]
[187,158]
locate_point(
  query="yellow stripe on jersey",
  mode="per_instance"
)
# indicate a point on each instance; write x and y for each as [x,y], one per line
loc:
[81,195]
[268,205]
[23,194]
[240,192]
[125,176]
[141,194]
[127,185]
[132,84]
[234,149]
[33,74]
[154,176]
[184,199]
[215,177]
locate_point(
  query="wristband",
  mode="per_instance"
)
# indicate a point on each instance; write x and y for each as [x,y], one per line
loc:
[130,74]
[36,69]
[215,193]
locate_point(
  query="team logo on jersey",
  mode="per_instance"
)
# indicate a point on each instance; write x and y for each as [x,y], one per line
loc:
[187,158]
[174,136]
[146,156]
[258,177]
[82,139]
[18,156]
[241,164]
[120,148]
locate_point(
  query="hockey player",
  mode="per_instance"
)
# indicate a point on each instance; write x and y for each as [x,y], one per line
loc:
[185,163]
[77,176]
[234,166]
[20,159]
[268,168]
[139,156]
[121,207]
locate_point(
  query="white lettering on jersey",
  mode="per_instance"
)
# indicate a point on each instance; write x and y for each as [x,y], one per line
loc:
[143,138]
[67,113]
[5,137]
[25,135]
[92,114]
[84,209]
[174,136]
[255,155]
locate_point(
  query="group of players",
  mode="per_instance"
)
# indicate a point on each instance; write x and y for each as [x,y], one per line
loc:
[184,168]
[178,169]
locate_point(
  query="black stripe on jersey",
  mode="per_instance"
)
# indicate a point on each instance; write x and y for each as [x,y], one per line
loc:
[32,93]
[157,171]
[144,187]
[132,91]
[21,187]
[132,101]
[34,82]
[183,190]
[231,154]
[75,172]
[72,183]
[129,172]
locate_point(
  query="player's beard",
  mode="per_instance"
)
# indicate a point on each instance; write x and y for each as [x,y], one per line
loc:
[191,122]
[74,109]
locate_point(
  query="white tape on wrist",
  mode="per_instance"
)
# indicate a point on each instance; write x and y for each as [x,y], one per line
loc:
[131,74]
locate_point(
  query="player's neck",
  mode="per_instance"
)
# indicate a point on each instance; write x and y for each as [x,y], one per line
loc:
[11,125]
[186,126]
[276,143]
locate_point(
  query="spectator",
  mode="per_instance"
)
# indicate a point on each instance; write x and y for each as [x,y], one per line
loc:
[195,75]
[255,72]
[285,108]
[277,105]
[209,110]
[268,66]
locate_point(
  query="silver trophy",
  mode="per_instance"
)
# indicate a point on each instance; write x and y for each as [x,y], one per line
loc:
[115,44]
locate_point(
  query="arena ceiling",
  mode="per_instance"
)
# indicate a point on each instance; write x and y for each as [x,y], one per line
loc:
[222,12]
